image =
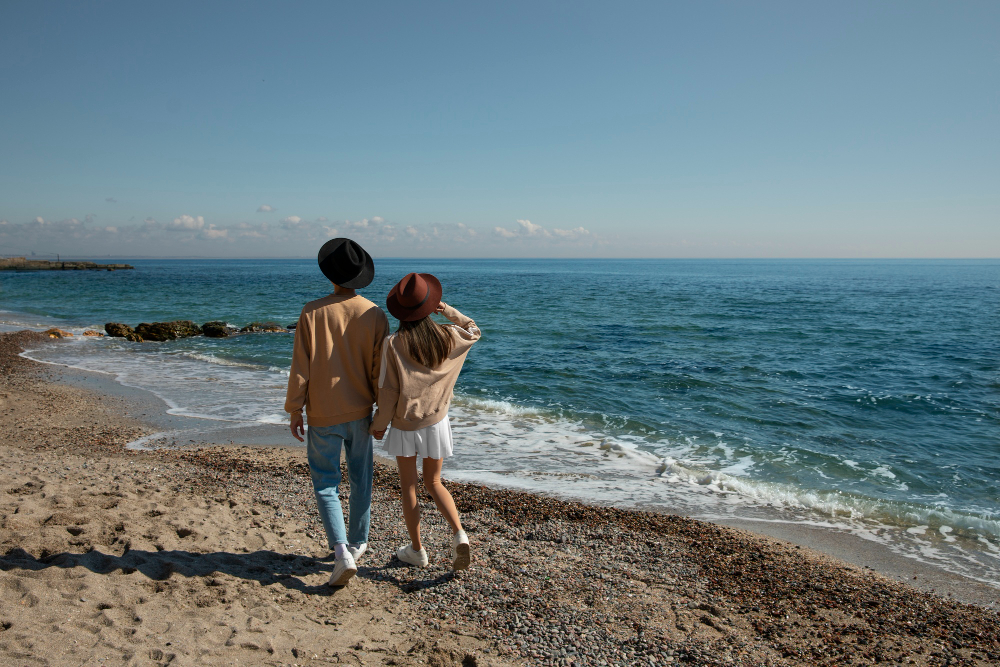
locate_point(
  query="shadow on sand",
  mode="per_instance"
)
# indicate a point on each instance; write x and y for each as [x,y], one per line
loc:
[266,567]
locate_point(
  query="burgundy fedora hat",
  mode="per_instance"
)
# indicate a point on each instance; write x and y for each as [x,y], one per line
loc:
[414,297]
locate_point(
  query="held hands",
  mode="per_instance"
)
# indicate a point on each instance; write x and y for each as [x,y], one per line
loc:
[297,425]
[379,434]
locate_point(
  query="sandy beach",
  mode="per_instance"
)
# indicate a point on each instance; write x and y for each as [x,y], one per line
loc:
[215,555]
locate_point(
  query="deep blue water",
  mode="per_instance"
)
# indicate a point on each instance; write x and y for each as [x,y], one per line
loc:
[860,392]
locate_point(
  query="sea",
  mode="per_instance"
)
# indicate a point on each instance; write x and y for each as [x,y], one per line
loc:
[860,396]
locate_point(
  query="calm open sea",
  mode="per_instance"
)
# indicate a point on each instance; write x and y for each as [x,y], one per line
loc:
[860,395]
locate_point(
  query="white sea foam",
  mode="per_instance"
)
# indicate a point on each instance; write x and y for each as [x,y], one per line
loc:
[212,359]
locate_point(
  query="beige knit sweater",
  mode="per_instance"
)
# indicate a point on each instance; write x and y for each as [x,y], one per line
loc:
[335,359]
[413,396]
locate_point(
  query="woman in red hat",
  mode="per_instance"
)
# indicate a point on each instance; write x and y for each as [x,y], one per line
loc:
[420,364]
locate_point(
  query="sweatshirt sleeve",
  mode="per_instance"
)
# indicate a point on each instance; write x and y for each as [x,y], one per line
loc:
[467,328]
[388,389]
[298,376]
[380,336]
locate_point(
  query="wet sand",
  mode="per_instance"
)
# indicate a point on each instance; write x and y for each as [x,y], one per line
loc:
[215,555]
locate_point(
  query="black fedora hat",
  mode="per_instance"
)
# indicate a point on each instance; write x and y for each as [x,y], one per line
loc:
[414,297]
[346,263]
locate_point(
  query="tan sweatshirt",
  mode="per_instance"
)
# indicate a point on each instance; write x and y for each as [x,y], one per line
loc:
[413,396]
[335,359]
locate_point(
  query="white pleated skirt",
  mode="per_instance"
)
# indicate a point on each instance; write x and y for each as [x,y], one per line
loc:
[429,442]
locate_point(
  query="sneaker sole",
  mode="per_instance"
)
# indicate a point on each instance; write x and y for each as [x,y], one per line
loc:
[462,557]
[345,576]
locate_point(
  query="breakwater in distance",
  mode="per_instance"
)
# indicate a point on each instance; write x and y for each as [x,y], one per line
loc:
[25,264]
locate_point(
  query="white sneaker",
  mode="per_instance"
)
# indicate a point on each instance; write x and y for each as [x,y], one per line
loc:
[460,555]
[357,549]
[343,570]
[408,554]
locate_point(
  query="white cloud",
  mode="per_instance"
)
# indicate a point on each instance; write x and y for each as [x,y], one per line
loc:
[322,218]
[294,223]
[576,232]
[526,229]
[529,228]
[88,218]
[186,223]
[112,230]
[212,233]
[264,208]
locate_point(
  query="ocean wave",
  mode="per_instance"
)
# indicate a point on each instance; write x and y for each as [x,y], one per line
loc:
[221,361]
[832,503]
[498,406]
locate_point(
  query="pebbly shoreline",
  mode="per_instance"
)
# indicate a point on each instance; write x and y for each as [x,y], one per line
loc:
[234,536]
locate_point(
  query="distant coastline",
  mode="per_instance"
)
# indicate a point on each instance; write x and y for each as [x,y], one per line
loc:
[25,264]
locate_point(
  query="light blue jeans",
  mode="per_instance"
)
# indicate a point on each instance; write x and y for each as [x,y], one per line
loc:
[324,445]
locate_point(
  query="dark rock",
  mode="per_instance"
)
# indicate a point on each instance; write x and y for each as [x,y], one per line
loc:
[158,331]
[263,327]
[291,327]
[57,333]
[117,329]
[133,337]
[217,329]
[185,328]
[91,332]
[162,331]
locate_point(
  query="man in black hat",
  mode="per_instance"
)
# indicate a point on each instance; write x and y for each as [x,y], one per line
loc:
[334,375]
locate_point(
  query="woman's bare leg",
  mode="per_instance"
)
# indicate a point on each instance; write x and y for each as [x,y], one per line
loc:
[407,466]
[443,499]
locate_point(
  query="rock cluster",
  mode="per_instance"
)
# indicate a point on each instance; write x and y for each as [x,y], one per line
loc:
[118,330]
[164,331]
[57,333]
[161,331]
[217,329]
[263,327]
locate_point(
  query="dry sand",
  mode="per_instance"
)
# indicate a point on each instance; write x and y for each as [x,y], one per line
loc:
[215,555]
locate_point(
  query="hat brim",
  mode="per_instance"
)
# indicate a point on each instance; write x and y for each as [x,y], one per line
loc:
[404,314]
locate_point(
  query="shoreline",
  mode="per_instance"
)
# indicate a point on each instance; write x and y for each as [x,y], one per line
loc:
[178,431]
[169,541]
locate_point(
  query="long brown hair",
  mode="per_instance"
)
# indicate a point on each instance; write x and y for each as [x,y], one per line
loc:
[426,341]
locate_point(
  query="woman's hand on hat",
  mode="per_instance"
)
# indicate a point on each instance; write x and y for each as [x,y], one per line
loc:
[440,308]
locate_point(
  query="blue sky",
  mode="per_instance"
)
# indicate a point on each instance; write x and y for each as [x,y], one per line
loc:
[576,129]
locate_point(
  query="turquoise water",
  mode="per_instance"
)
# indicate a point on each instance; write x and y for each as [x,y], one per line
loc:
[862,395]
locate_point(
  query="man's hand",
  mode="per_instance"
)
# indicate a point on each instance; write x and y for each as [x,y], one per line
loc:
[298,426]
[379,434]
